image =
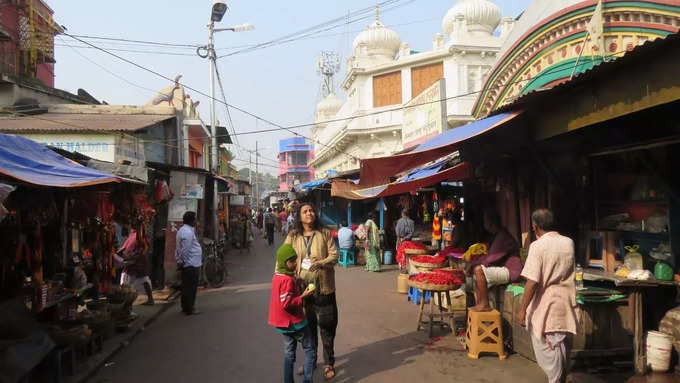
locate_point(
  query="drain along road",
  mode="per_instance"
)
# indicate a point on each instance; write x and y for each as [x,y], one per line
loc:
[231,341]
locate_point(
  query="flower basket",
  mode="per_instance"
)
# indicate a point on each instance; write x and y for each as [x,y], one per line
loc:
[415,251]
[427,266]
[431,286]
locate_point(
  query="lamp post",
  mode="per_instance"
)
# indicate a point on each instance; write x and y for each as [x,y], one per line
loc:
[219,8]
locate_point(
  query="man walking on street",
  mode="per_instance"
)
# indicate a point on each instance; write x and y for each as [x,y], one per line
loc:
[549,306]
[269,226]
[405,228]
[188,254]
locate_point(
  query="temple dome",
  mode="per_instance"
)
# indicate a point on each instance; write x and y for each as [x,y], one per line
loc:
[329,106]
[378,41]
[479,15]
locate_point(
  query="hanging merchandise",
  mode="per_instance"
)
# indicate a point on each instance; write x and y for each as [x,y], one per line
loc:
[436,223]
[633,259]
[426,213]
[4,192]
[162,192]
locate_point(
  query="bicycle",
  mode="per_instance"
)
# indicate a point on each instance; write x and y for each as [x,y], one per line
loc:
[213,265]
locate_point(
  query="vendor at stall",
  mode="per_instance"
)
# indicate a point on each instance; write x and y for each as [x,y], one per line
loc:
[345,237]
[405,228]
[501,265]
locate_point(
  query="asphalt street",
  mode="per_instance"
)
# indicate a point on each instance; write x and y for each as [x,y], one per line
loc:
[231,341]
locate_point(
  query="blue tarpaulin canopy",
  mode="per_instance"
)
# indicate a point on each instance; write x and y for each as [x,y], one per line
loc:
[31,162]
[309,186]
[376,171]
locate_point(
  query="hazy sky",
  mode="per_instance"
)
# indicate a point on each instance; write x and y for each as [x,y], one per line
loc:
[278,83]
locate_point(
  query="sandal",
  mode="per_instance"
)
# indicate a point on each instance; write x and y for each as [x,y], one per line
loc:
[329,372]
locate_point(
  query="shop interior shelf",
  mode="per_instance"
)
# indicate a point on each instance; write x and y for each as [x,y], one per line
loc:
[634,202]
[663,235]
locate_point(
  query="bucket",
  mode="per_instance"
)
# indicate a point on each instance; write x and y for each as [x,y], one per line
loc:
[402,283]
[387,257]
[659,346]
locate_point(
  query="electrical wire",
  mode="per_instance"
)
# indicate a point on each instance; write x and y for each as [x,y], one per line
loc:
[335,23]
[548,72]
[132,50]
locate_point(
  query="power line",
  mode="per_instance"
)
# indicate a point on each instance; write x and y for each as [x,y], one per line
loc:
[133,50]
[323,27]
[279,127]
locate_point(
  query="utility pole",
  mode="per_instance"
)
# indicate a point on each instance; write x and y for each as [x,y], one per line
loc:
[213,129]
[257,176]
[250,177]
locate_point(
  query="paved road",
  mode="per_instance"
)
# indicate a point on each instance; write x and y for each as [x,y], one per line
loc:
[231,341]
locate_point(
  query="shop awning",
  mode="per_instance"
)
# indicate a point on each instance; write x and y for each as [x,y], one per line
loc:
[309,186]
[30,162]
[417,179]
[376,171]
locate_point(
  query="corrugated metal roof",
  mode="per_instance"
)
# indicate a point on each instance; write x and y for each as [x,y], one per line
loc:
[640,52]
[53,122]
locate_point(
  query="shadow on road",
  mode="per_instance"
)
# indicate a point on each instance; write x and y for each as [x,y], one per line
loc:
[377,357]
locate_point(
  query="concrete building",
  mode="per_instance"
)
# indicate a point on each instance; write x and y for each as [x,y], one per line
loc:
[438,87]
[27,33]
[295,154]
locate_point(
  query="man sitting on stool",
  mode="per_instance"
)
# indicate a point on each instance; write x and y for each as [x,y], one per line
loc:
[501,265]
[345,237]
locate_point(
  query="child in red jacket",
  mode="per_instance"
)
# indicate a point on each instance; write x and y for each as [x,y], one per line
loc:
[286,314]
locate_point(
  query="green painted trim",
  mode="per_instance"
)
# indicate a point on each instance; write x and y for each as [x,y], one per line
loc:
[561,70]
[570,38]
[612,5]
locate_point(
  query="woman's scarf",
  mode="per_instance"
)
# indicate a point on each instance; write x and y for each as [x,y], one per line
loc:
[373,238]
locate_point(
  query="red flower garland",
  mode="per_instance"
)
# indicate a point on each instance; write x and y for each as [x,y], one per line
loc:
[429,259]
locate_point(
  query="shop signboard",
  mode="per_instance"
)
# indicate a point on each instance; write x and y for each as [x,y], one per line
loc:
[237,200]
[192,191]
[424,115]
[103,147]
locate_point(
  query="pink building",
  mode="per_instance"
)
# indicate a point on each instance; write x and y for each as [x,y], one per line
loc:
[294,156]
[28,54]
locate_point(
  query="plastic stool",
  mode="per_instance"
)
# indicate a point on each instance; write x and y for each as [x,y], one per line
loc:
[484,334]
[346,257]
[414,295]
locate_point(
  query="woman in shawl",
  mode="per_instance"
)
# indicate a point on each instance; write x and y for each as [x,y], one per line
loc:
[372,244]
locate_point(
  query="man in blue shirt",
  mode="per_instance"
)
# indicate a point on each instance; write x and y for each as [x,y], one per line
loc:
[345,237]
[188,254]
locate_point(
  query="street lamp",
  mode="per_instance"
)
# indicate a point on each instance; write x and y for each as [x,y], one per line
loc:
[219,8]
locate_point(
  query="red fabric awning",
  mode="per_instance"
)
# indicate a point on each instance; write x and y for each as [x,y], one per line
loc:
[377,171]
[348,190]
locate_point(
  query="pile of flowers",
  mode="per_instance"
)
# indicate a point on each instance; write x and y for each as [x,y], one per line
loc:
[476,250]
[401,251]
[429,259]
[443,279]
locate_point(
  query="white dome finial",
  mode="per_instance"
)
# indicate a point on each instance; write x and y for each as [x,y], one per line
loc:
[377,40]
[480,16]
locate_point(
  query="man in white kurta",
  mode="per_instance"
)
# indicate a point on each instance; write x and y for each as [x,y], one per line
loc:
[549,306]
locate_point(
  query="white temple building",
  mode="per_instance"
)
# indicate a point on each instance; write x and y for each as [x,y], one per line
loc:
[384,76]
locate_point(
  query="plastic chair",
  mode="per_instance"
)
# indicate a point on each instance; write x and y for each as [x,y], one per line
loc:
[484,334]
[346,257]
[414,295]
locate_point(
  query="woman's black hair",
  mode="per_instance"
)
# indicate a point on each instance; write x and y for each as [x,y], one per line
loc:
[316,225]
[371,216]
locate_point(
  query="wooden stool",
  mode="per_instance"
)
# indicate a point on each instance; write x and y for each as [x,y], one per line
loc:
[484,334]
[445,318]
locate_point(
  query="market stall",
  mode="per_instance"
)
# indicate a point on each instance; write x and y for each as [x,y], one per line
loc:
[56,217]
